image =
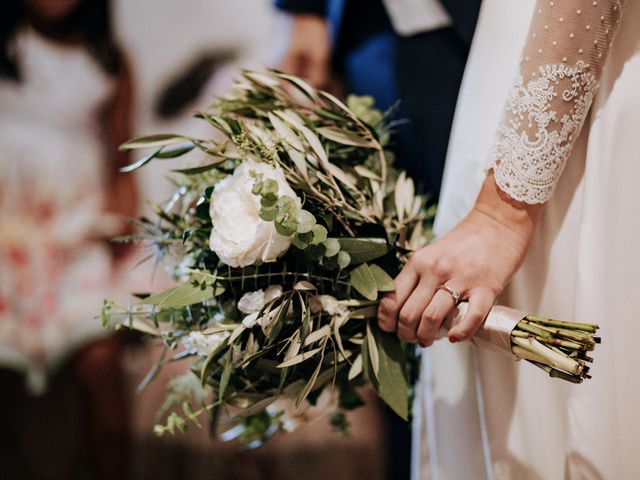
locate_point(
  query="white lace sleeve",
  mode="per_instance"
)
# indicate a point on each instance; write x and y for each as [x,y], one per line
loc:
[561,63]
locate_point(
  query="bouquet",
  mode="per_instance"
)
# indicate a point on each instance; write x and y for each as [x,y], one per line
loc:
[284,240]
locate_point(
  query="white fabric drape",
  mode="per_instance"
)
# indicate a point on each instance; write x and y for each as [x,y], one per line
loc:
[581,266]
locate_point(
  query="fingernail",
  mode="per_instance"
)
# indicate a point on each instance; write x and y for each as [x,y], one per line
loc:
[422,344]
[453,339]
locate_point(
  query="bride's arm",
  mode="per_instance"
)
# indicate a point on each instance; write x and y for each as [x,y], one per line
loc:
[567,46]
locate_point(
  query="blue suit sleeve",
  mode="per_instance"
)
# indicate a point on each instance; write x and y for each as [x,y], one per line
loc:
[316,7]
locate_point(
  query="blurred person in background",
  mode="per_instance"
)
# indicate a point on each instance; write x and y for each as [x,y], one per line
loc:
[64,105]
[414,51]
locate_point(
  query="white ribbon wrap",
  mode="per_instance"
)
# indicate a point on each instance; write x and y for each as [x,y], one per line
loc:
[495,332]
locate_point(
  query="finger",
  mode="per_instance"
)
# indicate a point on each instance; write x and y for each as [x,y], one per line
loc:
[317,72]
[411,312]
[481,300]
[288,64]
[440,306]
[392,302]
[294,63]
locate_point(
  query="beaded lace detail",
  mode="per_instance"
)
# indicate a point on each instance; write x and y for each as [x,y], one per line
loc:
[553,93]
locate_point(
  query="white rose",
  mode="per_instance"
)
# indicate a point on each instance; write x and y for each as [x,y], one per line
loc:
[252,302]
[239,236]
[204,344]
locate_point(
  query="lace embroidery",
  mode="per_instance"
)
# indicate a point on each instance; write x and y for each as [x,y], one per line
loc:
[537,137]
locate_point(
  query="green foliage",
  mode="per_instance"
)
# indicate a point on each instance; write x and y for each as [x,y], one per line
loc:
[351,226]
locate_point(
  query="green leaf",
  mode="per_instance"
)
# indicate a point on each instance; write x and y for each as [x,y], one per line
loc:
[374,356]
[319,234]
[319,334]
[344,137]
[300,240]
[176,150]
[344,259]
[159,140]
[384,283]
[143,161]
[199,169]
[337,103]
[392,383]
[285,230]
[305,220]
[225,377]
[269,186]
[299,160]
[286,134]
[316,146]
[333,247]
[268,200]
[363,281]
[268,214]
[303,86]
[301,357]
[363,249]
[356,368]
[210,363]
[342,176]
[310,384]
[183,295]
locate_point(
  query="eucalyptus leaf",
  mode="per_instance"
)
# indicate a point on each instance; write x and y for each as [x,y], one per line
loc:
[363,249]
[363,281]
[384,283]
[319,234]
[392,385]
[333,247]
[305,220]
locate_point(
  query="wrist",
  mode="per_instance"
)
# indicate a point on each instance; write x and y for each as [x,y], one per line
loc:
[521,218]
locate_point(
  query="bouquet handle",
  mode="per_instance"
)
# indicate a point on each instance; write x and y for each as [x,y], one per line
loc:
[495,332]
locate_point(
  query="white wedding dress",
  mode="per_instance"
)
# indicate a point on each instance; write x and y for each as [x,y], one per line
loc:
[480,415]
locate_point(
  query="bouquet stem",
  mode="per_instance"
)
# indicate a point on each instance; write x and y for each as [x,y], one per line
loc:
[556,347]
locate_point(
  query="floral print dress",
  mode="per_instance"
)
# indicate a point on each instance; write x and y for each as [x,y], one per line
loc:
[54,272]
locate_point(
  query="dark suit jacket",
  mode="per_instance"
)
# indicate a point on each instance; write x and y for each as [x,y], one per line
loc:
[464,13]
[427,71]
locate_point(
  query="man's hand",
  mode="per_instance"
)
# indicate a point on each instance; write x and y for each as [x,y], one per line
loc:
[309,52]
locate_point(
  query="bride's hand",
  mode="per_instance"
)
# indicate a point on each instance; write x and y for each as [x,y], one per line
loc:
[476,259]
